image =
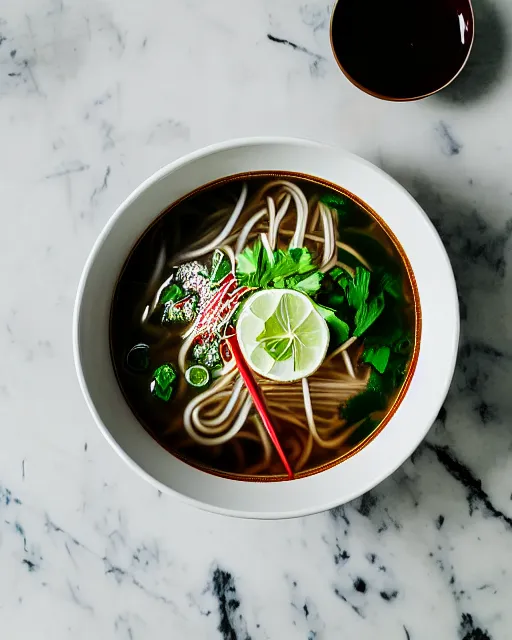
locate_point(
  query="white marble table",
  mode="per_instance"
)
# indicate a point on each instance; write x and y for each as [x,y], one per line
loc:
[94,96]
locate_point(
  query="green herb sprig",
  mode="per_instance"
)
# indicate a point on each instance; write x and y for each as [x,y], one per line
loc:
[290,269]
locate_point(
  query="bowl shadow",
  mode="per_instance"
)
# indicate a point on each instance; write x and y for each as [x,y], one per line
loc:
[471,437]
[485,66]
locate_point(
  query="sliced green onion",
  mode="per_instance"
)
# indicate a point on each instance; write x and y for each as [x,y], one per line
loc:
[197,375]
[137,359]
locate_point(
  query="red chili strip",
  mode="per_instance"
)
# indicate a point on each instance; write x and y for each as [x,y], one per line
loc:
[257,398]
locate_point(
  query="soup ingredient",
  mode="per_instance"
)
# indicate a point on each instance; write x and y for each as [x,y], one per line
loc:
[217,312]
[257,398]
[183,311]
[164,381]
[282,335]
[206,352]
[137,359]
[338,328]
[221,266]
[290,269]
[173,293]
[197,375]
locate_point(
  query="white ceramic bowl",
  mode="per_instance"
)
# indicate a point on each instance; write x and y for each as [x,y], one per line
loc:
[415,414]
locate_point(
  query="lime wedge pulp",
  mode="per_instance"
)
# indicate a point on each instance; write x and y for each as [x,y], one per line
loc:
[281,335]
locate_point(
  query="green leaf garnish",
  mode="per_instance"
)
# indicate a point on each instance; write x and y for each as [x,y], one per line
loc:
[249,264]
[377,357]
[309,285]
[338,328]
[334,299]
[340,276]
[358,288]
[392,283]
[333,200]
[378,391]
[348,211]
[172,293]
[403,345]
[291,269]
[360,406]
[367,314]
[163,382]
[221,266]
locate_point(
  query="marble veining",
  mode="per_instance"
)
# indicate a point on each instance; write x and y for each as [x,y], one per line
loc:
[94,97]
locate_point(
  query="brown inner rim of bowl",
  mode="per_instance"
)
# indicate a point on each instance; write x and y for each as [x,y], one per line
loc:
[417,318]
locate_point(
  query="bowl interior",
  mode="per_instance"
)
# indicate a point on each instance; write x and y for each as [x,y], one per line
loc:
[182,224]
[414,415]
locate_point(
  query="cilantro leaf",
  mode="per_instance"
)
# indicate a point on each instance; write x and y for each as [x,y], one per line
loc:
[377,357]
[393,377]
[310,284]
[378,392]
[221,266]
[334,299]
[349,212]
[358,288]
[392,283]
[339,329]
[367,314]
[387,329]
[333,200]
[340,276]
[250,265]
[173,293]
[403,344]
[302,257]
[360,406]
[291,269]
[286,264]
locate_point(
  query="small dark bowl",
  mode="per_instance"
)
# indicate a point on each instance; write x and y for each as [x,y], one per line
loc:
[385,48]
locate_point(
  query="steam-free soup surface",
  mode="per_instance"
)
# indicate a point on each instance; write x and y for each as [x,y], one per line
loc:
[184,285]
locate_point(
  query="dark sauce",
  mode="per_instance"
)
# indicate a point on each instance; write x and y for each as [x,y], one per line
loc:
[402,49]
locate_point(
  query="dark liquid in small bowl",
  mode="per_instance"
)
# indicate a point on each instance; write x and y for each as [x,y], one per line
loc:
[402,49]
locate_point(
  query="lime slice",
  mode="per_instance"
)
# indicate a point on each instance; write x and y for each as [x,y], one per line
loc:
[197,375]
[281,334]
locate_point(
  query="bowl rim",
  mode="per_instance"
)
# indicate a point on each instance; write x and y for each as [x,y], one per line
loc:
[232,144]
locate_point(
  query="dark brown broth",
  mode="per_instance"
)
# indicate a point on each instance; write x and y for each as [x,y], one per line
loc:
[401,49]
[177,228]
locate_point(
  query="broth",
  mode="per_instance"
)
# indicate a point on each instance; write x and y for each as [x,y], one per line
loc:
[164,287]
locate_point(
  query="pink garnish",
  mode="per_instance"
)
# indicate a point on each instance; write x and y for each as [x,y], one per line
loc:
[257,398]
[220,307]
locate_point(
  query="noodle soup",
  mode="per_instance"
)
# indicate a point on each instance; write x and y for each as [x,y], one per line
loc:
[317,297]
